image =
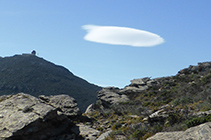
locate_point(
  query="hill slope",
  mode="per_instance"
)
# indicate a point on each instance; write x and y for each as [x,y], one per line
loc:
[33,75]
[148,106]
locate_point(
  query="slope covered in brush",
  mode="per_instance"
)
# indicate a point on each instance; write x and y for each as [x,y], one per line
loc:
[148,106]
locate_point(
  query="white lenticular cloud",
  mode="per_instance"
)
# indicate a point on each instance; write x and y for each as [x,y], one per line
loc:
[121,36]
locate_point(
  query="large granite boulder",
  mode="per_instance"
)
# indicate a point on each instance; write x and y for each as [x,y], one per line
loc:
[201,132]
[26,117]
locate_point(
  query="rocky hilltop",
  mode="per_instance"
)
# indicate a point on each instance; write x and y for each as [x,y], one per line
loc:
[31,74]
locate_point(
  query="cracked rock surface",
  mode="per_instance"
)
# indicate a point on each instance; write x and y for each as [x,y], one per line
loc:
[200,132]
[25,117]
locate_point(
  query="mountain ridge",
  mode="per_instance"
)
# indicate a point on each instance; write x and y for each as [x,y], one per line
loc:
[34,75]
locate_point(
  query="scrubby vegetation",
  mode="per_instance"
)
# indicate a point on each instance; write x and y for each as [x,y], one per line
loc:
[179,99]
[198,120]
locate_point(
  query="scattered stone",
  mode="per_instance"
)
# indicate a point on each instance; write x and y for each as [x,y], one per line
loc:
[159,113]
[165,106]
[133,116]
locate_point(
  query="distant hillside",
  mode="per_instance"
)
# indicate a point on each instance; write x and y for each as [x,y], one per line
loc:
[33,75]
[148,106]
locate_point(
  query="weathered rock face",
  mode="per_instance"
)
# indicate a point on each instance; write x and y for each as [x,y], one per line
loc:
[195,69]
[25,117]
[138,85]
[142,81]
[65,104]
[201,132]
[110,96]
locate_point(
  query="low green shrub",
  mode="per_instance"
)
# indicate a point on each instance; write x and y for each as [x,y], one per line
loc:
[116,126]
[173,118]
[139,133]
[199,120]
[206,79]
[147,135]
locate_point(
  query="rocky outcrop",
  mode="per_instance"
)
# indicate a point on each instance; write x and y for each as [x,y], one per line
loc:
[196,69]
[137,86]
[25,117]
[65,104]
[201,132]
[111,95]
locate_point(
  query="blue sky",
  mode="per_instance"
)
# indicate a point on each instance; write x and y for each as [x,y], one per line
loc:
[54,29]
